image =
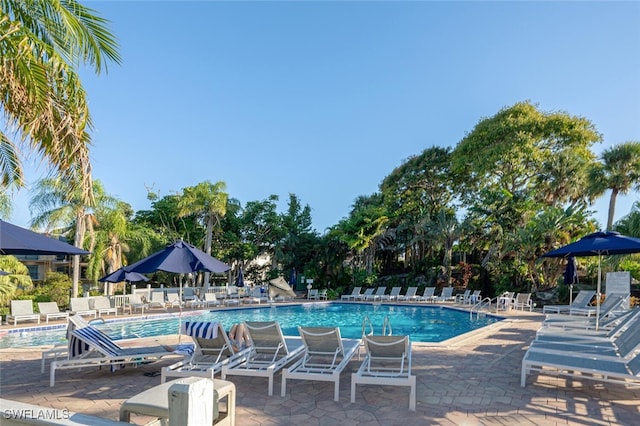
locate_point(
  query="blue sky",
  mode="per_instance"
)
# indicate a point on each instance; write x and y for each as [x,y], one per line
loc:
[325,99]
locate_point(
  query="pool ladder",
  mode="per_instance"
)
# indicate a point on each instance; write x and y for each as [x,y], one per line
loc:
[367,326]
[479,307]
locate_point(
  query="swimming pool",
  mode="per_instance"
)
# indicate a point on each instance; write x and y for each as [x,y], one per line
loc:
[422,323]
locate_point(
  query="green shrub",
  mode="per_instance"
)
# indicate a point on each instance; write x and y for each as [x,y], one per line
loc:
[55,288]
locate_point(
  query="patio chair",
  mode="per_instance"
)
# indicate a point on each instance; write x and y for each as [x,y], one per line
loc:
[212,351]
[475,297]
[135,302]
[614,299]
[50,310]
[610,305]
[393,295]
[589,361]
[409,295]
[22,310]
[388,362]
[463,297]
[102,305]
[188,294]
[313,294]
[522,301]
[622,344]
[210,299]
[428,295]
[326,354]
[354,294]
[157,300]
[567,335]
[270,352]
[80,306]
[173,300]
[90,347]
[581,301]
[446,295]
[505,301]
[370,295]
[322,294]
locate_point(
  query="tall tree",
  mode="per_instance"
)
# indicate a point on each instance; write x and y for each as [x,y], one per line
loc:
[54,206]
[208,202]
[42,99]
[619,172]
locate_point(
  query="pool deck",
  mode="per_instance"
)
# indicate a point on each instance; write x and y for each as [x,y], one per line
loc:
[471,380]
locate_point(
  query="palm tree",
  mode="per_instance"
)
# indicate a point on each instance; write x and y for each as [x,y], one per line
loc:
[42,99]
[619,172]
[208,202]
[54,206]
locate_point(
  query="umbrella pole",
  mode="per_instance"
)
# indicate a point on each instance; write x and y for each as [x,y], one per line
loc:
[598,292]
[570,293]
[180,307]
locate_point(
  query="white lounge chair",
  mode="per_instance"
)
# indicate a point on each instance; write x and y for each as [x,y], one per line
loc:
[463,297]
[326,354]
[210,299]
[312,294]
[593,362]
[80,306]
[393,295]
[354,294]
[22,310]
[50,310]
[102,304]
[135,302]
[388,362]
[212,351]
[475,297]
[614,299]
[564,334]
[622,344]
[270,352]
[370,295]
[611,304]
[173,300]
[581,301]
[428,295]
[409,295]
[90,347]
[446,295]
[157,300]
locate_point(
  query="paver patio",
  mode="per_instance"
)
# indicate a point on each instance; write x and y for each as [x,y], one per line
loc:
[474,380]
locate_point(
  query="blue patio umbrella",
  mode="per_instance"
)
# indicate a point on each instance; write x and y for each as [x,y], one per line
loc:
[240,279]
[571,275]
[294,279]
[598,244]
[178,258]
[21,241]
[122,275]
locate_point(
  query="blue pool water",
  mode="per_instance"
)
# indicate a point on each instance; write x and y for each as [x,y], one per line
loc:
[422,323]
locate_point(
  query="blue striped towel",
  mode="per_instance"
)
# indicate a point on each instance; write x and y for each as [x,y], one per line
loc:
[203,330]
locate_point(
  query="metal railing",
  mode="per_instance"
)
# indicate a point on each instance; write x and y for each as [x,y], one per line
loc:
[478,307]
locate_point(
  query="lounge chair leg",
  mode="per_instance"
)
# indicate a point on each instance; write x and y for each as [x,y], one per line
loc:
[271,385]
[336,390]
[353,387]
[283,388]
[412,394]
[52,374]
